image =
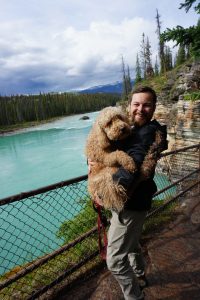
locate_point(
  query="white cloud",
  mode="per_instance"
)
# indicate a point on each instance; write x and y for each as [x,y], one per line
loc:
[73,44]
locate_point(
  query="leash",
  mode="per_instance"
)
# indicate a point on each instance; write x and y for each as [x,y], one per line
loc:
[102,236]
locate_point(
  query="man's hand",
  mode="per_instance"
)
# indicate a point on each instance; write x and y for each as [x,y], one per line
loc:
[91,164]
[98,200]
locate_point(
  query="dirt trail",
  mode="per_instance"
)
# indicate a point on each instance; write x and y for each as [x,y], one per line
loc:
[173,256]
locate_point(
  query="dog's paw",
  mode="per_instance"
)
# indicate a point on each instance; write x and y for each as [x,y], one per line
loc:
[126,161]
[130,165]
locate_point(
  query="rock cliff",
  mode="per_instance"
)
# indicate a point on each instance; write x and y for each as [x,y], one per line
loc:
[181,117]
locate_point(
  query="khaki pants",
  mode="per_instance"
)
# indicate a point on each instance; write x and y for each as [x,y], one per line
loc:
[124,256]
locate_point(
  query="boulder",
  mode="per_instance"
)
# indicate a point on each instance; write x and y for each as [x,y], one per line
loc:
[84,118]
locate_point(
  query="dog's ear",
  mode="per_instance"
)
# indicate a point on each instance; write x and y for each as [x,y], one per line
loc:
[102,137]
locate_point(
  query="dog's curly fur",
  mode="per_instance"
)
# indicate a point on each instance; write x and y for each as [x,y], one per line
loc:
[112,124]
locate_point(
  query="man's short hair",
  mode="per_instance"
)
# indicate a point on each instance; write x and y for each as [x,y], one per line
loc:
[143,89]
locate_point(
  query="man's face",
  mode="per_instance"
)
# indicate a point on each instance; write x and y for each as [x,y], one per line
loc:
[141,108]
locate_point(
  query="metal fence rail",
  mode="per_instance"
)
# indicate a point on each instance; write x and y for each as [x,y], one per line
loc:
[50,233]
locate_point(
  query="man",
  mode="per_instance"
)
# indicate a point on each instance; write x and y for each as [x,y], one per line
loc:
[124,256]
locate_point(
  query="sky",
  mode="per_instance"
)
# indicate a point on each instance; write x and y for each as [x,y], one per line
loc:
[67,45]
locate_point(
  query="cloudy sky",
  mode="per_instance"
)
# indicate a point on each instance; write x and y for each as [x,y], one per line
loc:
[62,45]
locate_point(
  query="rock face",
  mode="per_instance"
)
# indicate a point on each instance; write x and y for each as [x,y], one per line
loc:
[183,122]
[187,125]
[181,117]
[184,80]
[186,133]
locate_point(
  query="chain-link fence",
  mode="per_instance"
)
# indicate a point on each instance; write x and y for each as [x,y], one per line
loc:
[50,235]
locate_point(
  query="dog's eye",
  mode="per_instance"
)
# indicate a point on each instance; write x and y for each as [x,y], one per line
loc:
[109,123]
[120,118]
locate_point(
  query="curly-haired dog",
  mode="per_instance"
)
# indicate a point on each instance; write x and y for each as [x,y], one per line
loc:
[112,124]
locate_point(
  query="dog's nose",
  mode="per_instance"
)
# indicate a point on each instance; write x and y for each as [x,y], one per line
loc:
[123,129]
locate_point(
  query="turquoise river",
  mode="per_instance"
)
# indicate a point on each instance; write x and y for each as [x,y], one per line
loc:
[32,158]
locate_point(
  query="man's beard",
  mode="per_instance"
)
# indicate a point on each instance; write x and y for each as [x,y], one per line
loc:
[140,121]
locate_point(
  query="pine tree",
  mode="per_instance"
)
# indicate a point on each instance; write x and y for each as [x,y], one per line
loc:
[138,73]
[126,87]
[186,36]
[161,44]
[187,5]
[187,52]
[168,58]
[175,59]
[156,67]
[181,56]
[149,68]
[143,57]
[124,83]
[128,79]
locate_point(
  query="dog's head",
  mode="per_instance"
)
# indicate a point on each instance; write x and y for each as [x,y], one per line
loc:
[114,123]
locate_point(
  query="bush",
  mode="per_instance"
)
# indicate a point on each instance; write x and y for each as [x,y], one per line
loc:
[194,96]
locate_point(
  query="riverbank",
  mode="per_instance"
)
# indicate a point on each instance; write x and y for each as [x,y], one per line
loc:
[21,126]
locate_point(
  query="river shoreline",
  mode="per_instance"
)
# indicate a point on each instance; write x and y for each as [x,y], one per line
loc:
[17,127]
[4,130]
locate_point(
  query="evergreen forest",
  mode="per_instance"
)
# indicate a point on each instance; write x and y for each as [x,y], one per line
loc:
[29,108]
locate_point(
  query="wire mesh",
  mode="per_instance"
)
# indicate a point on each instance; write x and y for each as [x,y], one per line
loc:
[35,227]
[47,236]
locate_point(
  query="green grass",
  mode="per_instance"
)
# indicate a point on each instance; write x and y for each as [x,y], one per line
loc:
[83,222]
[156,83]
[193,96]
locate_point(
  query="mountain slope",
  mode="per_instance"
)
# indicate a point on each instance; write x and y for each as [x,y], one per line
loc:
[115,88]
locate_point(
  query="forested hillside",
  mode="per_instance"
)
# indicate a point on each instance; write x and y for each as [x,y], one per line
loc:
[21,109]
